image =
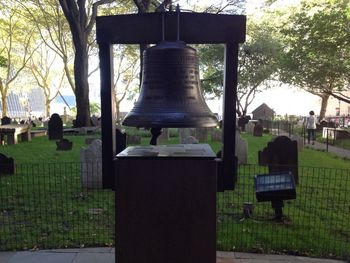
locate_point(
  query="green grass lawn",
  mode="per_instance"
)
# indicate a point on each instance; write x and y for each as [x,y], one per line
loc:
[43,205]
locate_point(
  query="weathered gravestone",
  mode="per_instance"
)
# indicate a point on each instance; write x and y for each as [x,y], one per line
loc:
[184,133]
[55,127]
[258,130]
[202,135]
[189,140]
[250,126]
[133,139]
[163,138]
[7,165]
[299,140]
[280,155]
[64,145]
[91,165]
[5,120]
[216,135]
[89,140]
[242,122]
[241,149]
[95,121]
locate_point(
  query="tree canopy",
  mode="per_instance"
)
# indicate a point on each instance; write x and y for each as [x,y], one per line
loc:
[316,54]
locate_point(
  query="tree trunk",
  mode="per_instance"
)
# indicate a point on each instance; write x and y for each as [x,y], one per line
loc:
[81,71]
[3,98]
[4,105]
[117,110]
[48,108]
[324,103]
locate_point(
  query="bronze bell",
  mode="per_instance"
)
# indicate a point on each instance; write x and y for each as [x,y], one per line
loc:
[170,93]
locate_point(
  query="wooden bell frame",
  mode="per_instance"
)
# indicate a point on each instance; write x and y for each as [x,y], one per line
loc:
[195,28]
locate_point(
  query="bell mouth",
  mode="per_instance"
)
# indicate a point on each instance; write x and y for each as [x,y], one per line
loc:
[170,120]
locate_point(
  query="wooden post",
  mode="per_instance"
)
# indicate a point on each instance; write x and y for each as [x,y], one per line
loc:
[229,162]
[107,114]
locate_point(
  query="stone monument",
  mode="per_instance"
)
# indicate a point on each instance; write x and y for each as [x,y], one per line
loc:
[91,165]
[55,127]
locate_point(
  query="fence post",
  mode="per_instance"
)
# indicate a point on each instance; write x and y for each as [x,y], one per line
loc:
[327,140]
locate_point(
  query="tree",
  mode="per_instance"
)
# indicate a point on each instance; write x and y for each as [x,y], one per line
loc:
[81,19]
[53,28]
[125,72]
[3,62]
[49,79]
[316,40]
[17,39]
[256,67]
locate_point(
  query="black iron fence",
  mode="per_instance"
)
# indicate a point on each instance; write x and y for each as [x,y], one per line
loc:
[329,136]
[46,206]
[279,127]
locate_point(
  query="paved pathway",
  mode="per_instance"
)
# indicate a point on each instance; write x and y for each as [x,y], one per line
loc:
[332,149]
[106,255]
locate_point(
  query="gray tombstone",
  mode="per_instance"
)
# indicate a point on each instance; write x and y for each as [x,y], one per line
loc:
[280,155]
[89,140]
[91,165]
[55,127]
[299,140]
[184,133]
[7,165]
[250,126]
[202,135]
[95,121]
[189,140]
[64,145]
[241,149]
[258,130]
[216,136]
[133,139]
[163,138]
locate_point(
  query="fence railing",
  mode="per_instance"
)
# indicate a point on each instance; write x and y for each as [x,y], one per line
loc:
[329,136]
[45,206]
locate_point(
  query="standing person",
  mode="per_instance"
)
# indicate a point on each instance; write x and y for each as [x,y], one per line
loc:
[311,128]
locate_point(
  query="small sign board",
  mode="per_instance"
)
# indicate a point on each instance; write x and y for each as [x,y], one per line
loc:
[272,187]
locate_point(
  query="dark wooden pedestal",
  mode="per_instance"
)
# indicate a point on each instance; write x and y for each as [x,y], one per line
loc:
[165,209]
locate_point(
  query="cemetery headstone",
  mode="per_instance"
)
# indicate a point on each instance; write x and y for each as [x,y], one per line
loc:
[299,140]
[64,145]
[241,149]
[186,132]
[250,127]
[133,139]
[216,135]
[202,135]
[7,165]
[163,138]
[258,130]
[242,122]
[95,121]
[5,120]
[55,127]
[89,140]
[189,140]
[280,155]
[91,165]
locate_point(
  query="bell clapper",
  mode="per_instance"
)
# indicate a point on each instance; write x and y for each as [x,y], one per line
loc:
[155,133]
